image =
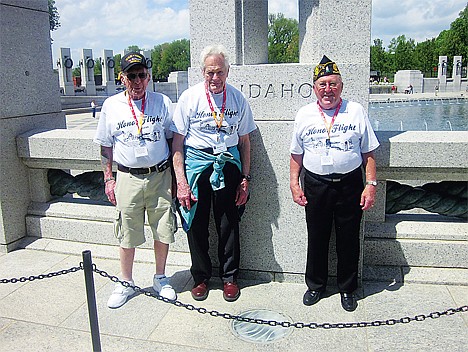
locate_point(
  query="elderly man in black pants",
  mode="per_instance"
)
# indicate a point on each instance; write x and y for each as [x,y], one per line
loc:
[332,141]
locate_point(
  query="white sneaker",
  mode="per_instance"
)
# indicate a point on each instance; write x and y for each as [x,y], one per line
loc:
[164,288]
[120,295]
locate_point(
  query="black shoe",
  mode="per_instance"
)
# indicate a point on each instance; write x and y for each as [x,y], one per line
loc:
[348,302]
[311,297]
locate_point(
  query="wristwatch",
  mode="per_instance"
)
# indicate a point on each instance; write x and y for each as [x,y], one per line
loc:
[372,183]
[247,177]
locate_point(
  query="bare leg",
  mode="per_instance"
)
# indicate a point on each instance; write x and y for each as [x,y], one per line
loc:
[126,263]
[160,253]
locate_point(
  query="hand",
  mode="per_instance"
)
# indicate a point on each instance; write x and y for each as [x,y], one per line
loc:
[185,195]
[298,195]
[368,197]
[109,189]
[242,192]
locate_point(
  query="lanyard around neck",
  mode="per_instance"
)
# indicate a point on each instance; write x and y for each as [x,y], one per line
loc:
[219,121]
[329,126]
[139,122]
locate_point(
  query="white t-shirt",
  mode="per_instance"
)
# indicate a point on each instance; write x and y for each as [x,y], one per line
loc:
[350,136]
[117,128]
[194,120]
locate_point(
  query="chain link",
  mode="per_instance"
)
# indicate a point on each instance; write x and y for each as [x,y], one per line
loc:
[287,324]
[42,276]
[215,313]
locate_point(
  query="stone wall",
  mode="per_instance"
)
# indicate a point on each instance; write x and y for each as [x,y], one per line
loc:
[273,231]
[30,99]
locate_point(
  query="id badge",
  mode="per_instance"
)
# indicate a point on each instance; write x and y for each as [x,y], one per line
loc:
[326,160]
[141,151]
[219,147]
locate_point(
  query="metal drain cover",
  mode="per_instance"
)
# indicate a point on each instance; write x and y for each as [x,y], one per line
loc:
[260,333]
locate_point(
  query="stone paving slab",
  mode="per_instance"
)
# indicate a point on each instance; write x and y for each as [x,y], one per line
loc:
[51,314]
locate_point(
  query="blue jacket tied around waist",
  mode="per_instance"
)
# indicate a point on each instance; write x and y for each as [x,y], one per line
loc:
[196,161]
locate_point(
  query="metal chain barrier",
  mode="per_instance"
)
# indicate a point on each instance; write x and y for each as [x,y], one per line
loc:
[42,276]
[287,324]
[215,313]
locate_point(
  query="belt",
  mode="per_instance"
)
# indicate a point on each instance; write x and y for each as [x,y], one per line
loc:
[333,177]
[145,170]
[208,150]
[328,179]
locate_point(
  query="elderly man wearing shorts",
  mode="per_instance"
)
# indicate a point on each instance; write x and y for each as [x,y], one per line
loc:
[133,131]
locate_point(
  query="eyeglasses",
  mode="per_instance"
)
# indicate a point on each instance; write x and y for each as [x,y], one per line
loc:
[133,76]
[323,85]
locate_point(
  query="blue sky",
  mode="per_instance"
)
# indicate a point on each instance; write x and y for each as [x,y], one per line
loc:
[111,24]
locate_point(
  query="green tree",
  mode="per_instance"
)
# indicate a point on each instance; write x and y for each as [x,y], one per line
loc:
[426,57]
[175,57]
[156,57]
[459,27]
[53,16]
[169,57]
[283,39]
[405,54]
[117,67]
[402,53]
[133,48]
[76,71]
[454,41]
[98,66]
[379,59]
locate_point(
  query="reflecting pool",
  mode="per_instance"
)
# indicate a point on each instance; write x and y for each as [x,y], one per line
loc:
[420,115]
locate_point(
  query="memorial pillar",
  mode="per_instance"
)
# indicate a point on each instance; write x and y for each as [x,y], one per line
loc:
[254,40]
[87,71]
[341,31]
[108,75]
[65,68]
[149,63]
[442,73]
[244,31]
[457,73]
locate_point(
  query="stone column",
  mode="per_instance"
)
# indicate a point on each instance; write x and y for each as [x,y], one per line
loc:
[87,71]
[202,22]
[34,103]
[442,73]
[254,47]
[65,68]
[149,62]
[341,31]
[241,26]
[456,73]
[108,76]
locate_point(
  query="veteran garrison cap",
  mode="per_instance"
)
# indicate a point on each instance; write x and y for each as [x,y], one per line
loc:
[325,67]
[132,59]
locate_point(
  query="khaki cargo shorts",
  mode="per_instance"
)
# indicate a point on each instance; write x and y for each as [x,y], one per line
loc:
[140,195]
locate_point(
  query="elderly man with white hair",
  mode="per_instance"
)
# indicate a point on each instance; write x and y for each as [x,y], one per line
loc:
[211,155]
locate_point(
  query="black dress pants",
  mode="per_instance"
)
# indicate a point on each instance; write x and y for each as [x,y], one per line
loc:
[226,217]
[327,202]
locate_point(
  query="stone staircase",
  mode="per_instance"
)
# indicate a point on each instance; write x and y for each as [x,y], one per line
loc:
[417,247]
[408,247]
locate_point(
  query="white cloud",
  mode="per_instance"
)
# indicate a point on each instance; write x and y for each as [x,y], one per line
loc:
[117,24]
[287,8]
[416,19]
